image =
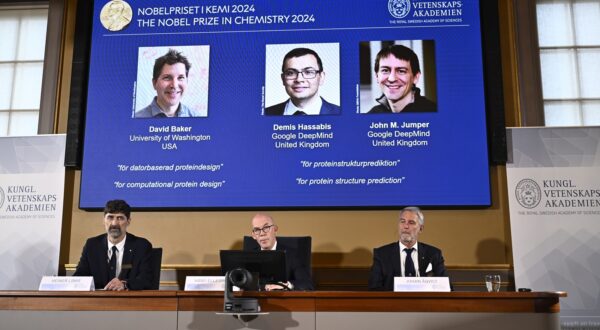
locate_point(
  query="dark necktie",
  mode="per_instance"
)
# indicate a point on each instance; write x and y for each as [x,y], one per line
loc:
[409,266]
[112,264]
[299,113]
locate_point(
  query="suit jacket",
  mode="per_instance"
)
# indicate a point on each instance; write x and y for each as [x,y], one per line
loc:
[297,273]
[135,269]
[326,109]
[386,265]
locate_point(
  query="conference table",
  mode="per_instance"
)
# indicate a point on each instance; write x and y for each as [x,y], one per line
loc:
[279,310]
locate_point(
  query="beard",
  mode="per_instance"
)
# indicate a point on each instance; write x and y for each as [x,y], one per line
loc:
[406,238]
[114,232]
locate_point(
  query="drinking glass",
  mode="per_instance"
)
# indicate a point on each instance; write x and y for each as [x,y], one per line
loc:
[492,283]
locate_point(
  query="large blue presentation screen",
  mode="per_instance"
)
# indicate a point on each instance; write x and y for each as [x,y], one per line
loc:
[285,104]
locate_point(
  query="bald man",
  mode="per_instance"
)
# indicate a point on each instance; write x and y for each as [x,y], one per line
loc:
[264,231]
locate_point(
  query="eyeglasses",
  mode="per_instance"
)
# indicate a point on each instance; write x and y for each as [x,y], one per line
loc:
[306,73]
[265,229]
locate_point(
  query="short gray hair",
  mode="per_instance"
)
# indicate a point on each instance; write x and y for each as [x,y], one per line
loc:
[416,211]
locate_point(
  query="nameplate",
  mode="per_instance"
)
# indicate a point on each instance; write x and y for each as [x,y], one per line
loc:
[67,283]
[421,284]
[206,283]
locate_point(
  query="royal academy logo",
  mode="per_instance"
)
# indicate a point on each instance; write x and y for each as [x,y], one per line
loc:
[2,196]
[116,15]
[399,8]
[528,193]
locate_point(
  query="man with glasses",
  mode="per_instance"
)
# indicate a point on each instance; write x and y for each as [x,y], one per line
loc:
[302,75]
[117,260]
[406,257]
[264,231]
[397,71]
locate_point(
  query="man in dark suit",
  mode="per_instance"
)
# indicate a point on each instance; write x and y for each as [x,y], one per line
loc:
[399,258]
[302,75]
[264,232]
[117,260]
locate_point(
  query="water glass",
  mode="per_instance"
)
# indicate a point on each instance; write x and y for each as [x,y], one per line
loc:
[492,283]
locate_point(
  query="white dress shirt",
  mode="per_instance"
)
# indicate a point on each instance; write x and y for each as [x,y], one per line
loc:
[314,108]
[415,258]
[120,248]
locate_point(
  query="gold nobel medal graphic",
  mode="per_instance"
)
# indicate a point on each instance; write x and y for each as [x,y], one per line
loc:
[116,15]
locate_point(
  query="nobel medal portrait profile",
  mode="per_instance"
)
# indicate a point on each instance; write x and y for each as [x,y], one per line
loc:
[116,15]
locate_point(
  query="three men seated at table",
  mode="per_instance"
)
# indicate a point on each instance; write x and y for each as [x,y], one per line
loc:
[119,260]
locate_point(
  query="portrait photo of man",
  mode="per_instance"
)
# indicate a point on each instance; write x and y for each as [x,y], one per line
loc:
[310,78]
[178,86]
[396,80]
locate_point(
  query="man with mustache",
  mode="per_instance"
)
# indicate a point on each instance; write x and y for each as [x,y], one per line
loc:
[407,257]
[117,260]
[397,71]
[169,79]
